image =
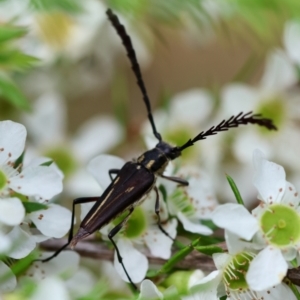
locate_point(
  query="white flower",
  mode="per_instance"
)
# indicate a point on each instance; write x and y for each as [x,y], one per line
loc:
[191,203]
[11,282]
[51,288]
[55,32]
[149,291]
[47,127]
[230,277]
[141,228]
[273,226]
[291,40]
[40,182]
[176,286]
[26,186]
[185,117]
[273,98]
[66,263]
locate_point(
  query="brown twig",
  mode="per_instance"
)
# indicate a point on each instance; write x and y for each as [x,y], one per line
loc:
[90,249]
[195,260]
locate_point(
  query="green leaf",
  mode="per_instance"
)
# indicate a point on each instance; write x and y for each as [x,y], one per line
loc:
[235,190]
[10,92]
[19,161]
[21,265]
[71,6]
[210,224]
[16,60]
[33,206]
[163,191]
[294,263]
[209,250]
[9,32]
[295,291]
[177,257]
[47,163]
[247,70]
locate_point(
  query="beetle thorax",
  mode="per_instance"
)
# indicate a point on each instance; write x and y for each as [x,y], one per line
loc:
[157,159]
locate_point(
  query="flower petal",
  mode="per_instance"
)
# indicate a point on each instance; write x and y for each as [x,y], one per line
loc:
[5,242]
[23,243]
[195,227]
[82,184]
[37,161]
[81,283]
[221,260]
[199,191]
[279,72]
[267,269]
[237,98]
[112,277]
[236,219]
[41,182]
[10,283]
[47,123]
[51,288]
[290,196]
[269,178]
[87,143]
[134,261]
[85,208]
[206,289]
[100,165]
[12,211]
[291,39]
[183,107]
[234,243]
[278,292]
[12,140]
[66,263]
[55,221]
[195,277]
[158,243]
[149,291]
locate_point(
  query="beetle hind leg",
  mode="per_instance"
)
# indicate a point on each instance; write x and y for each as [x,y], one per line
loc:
[70,237]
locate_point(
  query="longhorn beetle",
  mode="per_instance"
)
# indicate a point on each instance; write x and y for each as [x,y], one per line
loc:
[136,178]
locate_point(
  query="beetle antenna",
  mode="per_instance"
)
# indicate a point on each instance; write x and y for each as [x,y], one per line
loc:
[134,65]
[232,122]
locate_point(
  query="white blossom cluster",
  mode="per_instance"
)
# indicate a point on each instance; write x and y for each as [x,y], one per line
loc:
[22,223]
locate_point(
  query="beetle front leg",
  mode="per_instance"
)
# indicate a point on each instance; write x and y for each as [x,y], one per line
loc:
[179,180]
[111,234]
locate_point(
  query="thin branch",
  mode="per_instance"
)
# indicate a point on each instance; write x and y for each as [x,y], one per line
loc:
[194,260]
[90,249]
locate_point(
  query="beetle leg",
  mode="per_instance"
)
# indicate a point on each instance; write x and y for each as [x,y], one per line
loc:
[75,202]
[113,171]
[111,234]
[158,216]
[179,180]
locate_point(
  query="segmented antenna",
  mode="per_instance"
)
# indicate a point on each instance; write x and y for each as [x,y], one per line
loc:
[134,65]
[234,121]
